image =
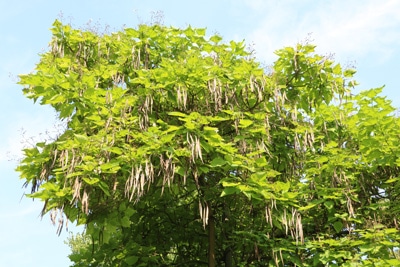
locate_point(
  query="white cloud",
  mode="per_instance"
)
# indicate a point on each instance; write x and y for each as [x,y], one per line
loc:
[350,28]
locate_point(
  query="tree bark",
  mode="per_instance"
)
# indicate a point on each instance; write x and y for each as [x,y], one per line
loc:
[211,237]
[228,258]
[228,254]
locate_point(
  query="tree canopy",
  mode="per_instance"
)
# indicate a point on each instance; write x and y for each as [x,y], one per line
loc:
[181,149]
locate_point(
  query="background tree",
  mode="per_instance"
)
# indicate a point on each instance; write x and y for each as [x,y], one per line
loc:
[182,150]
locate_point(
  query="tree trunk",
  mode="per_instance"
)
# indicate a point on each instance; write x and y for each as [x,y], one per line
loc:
[228,258]
[211,237]
[228,254]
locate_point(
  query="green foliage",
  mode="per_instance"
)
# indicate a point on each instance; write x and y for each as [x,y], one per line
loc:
[178,147]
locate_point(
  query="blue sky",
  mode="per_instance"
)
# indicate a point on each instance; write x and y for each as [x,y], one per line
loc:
[364,34]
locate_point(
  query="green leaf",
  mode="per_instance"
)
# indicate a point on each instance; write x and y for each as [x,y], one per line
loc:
[125,221]
[392,180]
[337,69]
[311,204]
[261,162]
[201,31]
[217,162]
[115,150]
[177,114]
[338,226]
[245,123]
[122,207]
[329,204]
[281,186]
[393,262]
[131,260]
[229,191]
[104,187]
[322,159]
[215,38]
[110,167]
[91,181]
[66,111]
[348,73]
[81,138]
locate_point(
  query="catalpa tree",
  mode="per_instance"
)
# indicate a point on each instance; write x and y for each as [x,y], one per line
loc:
[180,149]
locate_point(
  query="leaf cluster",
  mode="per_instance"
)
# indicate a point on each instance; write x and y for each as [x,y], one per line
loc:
[177,143]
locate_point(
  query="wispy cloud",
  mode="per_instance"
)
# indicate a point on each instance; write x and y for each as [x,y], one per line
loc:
[350,28]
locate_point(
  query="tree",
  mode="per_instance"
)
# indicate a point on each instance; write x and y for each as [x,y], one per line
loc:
[182,150]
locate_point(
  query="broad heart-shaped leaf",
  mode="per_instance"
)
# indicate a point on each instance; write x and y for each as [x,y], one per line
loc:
[229,191]
[125,221]
[338,226]
[91,181]
[245,123]
[66,111]
[217,162]
[215,38]
[311,204]
[110,167]
[131,260]
[81,138]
